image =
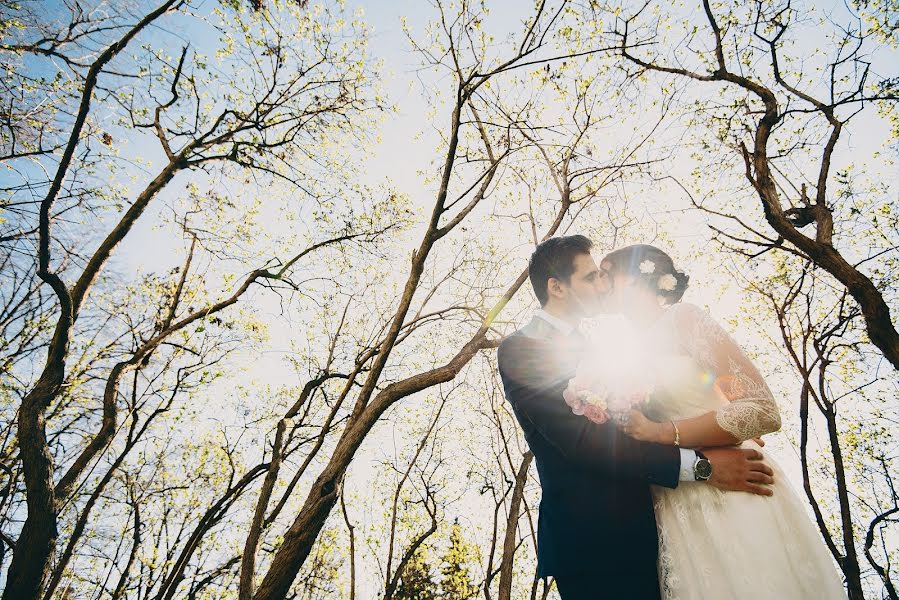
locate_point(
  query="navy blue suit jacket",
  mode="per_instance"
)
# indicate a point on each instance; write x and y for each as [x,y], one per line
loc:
[596,514]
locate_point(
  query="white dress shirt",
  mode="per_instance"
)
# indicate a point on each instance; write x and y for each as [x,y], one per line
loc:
[561,324]
[687,457]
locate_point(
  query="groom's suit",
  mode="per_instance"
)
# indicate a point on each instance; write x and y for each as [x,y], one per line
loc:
[596,528]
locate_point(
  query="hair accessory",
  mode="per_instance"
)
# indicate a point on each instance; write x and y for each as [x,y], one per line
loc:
[667,282]
[647,267]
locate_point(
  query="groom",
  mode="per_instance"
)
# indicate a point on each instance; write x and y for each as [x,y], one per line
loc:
[596,532]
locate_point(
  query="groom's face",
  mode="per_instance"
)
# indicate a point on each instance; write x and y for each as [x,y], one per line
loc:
[587,290]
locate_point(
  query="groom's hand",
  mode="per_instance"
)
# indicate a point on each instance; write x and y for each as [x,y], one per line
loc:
[740,470]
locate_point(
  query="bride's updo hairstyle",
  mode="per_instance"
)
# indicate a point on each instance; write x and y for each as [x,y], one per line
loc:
[651,268]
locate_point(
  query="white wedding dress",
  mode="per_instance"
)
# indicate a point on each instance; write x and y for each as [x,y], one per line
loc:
[717,545]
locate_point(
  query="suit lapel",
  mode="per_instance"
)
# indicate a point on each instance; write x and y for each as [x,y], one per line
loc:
[556,351]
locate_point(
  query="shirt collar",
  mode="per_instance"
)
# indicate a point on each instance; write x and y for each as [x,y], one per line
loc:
[564,327]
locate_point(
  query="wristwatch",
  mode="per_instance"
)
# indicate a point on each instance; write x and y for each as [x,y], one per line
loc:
[702,468]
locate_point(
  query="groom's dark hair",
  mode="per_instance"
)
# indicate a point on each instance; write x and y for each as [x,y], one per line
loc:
[555,258]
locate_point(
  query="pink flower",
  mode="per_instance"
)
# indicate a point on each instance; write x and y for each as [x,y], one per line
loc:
[596,414]
[590,401]
[596,402]
[571,399]
[625,403]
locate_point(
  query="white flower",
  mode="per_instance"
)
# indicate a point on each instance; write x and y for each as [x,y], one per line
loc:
[593,398]
[647,267]
[667,282]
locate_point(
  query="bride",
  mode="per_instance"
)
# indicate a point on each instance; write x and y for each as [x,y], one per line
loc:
[712,544]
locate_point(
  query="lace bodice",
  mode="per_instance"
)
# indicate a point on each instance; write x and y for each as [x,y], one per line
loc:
[717,375]
[716,544]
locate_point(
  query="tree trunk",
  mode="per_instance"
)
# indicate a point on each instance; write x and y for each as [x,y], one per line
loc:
[325,491]
[37,540]
[849,564]
[505,568]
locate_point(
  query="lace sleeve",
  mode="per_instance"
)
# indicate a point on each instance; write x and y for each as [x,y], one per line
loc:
[752,410]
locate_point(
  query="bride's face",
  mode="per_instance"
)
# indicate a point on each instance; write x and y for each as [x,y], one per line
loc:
[624,292]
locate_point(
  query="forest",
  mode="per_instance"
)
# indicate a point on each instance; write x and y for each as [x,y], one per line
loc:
[256,258]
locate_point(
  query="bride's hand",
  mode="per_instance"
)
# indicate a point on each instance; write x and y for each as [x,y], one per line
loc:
[637,426]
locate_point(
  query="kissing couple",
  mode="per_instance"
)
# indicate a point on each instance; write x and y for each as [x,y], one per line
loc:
[646,430]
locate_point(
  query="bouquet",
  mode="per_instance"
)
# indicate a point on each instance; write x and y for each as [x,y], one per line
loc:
[612,378]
